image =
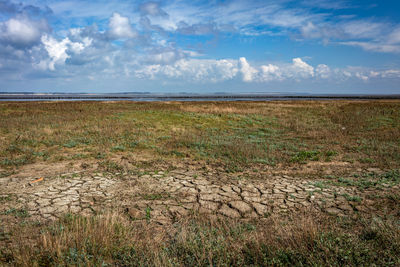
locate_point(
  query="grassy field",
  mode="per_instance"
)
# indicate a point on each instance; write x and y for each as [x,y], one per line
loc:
[346,144]
[231,135]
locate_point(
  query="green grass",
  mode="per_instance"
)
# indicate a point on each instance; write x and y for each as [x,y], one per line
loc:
[304,156]
[352,198]
[22,213]
[368,180]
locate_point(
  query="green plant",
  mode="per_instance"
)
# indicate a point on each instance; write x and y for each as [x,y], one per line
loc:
[304,156]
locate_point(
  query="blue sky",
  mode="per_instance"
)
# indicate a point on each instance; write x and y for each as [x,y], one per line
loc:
[310,46]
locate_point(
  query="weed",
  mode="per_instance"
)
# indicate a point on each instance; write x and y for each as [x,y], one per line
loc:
[148,213]
[352,198]
[71,144]
[111,166]
[319,184]
[304,156]
[22,213]
[117,148]
[5,198]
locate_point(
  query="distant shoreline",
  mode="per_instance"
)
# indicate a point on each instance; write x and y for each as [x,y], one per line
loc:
[188,97]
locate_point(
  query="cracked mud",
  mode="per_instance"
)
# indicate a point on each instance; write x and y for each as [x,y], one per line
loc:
[165,197]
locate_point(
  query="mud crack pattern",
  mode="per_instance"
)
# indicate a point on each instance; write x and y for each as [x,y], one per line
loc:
[165,197]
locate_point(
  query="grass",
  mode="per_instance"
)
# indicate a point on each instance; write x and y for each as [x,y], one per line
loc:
[367,180]
[22,213]
[352,198]
[300,240]
[155,196]
[232,134]
[235,137]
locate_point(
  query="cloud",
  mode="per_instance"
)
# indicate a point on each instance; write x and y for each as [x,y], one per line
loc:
[375,46]
[364,28]
[323,71]
[327,4]
[195,70]
[301,69]
[394,37]
[209,70]
[247,71]
[22,32]
[197,29]
[270,72]
[120,27]
[152,9]
[8,7]
[58,50]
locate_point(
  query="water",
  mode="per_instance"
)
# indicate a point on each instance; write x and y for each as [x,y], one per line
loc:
[183,97]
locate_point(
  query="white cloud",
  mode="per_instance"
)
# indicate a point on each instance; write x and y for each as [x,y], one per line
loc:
[247,71]
[323,71]
[120,27]
[301,69]
[57,50]
[375,46]
[210,70]
[21,31]
[361,76]
[153,9]
[390,74]
[198,70]
[394,37]
[365,29]
[270,72]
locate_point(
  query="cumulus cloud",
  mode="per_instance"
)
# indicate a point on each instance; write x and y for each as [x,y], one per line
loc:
[247,71]
[228,69]
[301,68]
[22,32]
[323,71]
[120,27]
[198,70]
[58,50]
[270,72]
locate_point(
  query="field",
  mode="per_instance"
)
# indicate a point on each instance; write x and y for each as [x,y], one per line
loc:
[200,183]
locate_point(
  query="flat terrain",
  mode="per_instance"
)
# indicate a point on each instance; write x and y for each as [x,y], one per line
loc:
[200,183]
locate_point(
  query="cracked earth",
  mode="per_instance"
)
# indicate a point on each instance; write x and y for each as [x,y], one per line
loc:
[165,197]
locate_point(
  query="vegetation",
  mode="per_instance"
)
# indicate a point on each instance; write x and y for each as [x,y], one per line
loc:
[235,135]
[300,240]
[357,142]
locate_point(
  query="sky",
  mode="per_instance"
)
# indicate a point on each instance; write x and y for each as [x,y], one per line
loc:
[232,46]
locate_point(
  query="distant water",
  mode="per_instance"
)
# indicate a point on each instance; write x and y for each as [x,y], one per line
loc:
[161,97]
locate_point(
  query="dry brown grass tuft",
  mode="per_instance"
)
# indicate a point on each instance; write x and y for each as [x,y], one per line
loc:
[298,239]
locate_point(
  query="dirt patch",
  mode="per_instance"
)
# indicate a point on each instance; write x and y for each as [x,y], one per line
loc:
[164,197]
[30,172]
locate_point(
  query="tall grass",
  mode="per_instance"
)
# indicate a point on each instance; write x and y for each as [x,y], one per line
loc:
[298,240]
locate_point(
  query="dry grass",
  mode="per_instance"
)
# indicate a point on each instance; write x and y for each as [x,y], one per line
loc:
[235,135]
[232,136]
[300,239]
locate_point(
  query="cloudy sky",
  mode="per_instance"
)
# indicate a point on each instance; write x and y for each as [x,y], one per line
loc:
[314,46]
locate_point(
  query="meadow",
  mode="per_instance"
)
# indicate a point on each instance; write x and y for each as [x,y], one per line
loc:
[341,152]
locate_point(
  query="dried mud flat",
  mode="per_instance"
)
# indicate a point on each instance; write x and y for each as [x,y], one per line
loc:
[164,197]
